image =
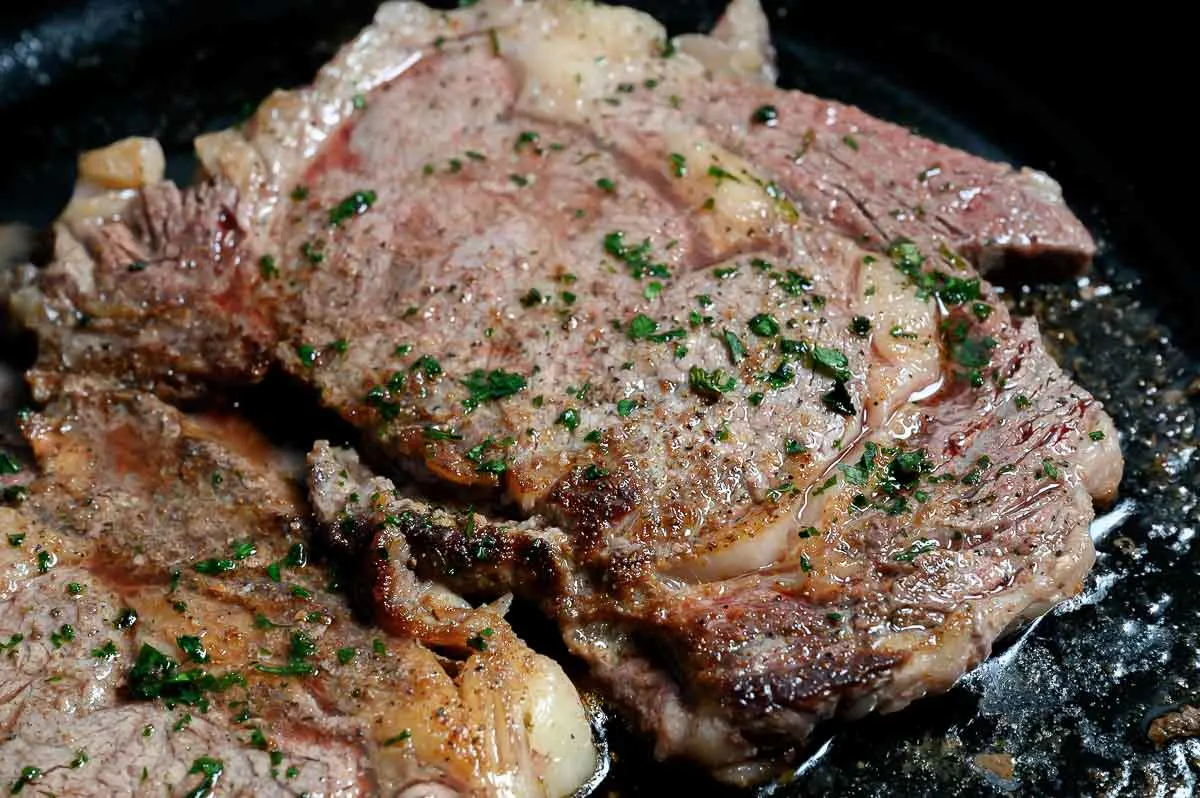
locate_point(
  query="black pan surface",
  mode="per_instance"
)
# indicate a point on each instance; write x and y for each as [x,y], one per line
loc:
[1065,708]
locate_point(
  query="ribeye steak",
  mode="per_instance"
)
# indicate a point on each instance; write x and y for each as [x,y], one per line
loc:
[769,448]
[165,628]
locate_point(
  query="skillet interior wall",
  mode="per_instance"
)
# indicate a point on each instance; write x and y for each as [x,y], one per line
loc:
[1092,104]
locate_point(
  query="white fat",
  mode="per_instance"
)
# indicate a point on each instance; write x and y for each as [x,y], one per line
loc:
[560,733]
[755,549]
[904,333]
[129,163]
[1042,185]
[730,198]
[570,54]
[109,178]
[739,45]
[1099,463]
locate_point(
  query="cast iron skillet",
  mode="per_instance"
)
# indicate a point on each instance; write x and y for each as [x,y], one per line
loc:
[1066,707]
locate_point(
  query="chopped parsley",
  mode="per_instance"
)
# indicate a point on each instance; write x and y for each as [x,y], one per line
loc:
[28,776]
[766,115]
[636,259]
[194,648]
[356,204]
[45,561]
[678,164]
[438,434]
[267,267]
[64,634]
[489,386]
[606,185]
[211,770]
[860,326]
[1096,435]
[737,350]
[569,418]
[302,648]
[625,407]
[764,325]
[710,384]
[594,472]
[155,675]
[428,365]
[479,641]
[399,738]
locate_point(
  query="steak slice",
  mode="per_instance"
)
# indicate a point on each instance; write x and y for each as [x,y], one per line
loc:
[776,464]
[154,535]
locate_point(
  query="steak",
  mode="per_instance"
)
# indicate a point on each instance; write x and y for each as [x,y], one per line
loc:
[164,626]
[758,436]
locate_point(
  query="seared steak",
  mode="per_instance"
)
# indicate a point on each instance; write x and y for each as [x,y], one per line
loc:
[164,627]
[779,452]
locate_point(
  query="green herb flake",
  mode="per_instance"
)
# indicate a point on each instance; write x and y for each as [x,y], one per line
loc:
[607,185]
[439,434]
[345,655]
[45,561]
[64,634]
[307,355]
[1096,435]
[764,325]
[399,738]
[737,350]
[850,142]
[678,164]
[28,775]
[793,447]
[593,472]
[194,648]
[831,362]
[766,115]
[489,386]
[569,418]
[625,407]
[356,204]
[210,769]
[637,259]
[710,384]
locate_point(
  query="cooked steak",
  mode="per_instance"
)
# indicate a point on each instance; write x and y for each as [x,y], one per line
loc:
[164,628]
[778,451]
